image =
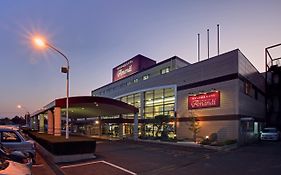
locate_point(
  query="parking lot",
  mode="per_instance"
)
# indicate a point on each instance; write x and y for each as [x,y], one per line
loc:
[129,158]
[121,157]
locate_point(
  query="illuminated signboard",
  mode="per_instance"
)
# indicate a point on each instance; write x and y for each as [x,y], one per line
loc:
[206,100]
[125,69]
[131,66]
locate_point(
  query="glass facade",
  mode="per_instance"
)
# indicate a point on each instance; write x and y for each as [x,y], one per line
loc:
[134,100]
[151,103]
[159,102]
[155,102]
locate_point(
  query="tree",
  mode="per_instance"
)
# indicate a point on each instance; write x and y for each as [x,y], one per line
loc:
[18,120]
[161,122]
[194,126]
[5,121]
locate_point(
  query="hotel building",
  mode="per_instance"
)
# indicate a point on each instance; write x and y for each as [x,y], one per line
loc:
[225,94]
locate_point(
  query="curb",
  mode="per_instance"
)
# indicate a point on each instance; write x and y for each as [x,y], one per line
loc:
[56,169]
[190,145]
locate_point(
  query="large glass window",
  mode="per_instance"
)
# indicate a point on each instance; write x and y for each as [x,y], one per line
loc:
[134,100]
[124,99]
[162,101]
[156,102]
[131,100]
[158,94]
[137,100]
[148,95]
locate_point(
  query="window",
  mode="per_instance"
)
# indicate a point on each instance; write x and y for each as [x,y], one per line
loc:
[130,100]
[9,136]
[128,83]
[136,80]
[247,88]
[145,77]
[159,101]
[124,99]
[169,92]
[155,102]
[165,70]
[137,100]
[148,95]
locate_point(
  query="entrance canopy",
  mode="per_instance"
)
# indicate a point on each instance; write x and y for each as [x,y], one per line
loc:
[89,106]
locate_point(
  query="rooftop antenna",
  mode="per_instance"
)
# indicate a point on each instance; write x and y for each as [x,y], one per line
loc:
[218,30]
[198,46]
[208,42]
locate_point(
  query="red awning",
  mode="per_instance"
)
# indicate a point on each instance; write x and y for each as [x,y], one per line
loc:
[90,106]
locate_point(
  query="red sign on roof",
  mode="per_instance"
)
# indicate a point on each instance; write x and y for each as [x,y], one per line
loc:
[131,66]
[206,100]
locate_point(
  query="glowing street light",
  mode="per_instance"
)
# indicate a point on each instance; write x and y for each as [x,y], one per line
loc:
[40,42]
[27,115]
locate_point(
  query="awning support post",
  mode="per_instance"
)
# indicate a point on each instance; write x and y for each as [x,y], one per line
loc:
[136,123]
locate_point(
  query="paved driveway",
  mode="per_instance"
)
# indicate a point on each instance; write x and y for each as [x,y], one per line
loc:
[258,159]
[123,158]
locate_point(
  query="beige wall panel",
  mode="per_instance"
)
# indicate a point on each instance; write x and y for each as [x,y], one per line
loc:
[225,129]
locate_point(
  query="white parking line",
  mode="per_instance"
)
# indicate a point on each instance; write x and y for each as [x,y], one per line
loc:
[80,164]
[118,167]
[102,161]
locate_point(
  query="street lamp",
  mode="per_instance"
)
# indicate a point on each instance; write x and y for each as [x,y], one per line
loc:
[42,43]
[27,115]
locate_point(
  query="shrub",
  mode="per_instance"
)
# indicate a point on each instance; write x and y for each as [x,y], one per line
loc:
[229,142]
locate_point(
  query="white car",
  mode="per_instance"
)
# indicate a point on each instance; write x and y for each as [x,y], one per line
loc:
[9,167]
[270,134]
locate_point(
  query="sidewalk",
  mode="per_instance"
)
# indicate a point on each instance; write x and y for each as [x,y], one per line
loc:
[179,143]
[41,167]
[191,145]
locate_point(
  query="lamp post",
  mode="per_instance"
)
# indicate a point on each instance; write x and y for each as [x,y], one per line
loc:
[27,115]
[42,43]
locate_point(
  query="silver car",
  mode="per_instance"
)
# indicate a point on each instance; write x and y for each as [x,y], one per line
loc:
[270,134]
[13,140]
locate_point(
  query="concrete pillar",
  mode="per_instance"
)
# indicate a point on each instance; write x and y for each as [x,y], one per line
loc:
[142,105]
[121,129]
[142,113]
[41,123]
[50,122]
[136,123]
[100,129]
[57,121]
[36,123]
[31,123]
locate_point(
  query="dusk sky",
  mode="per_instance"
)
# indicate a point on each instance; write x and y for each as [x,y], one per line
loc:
[98,35]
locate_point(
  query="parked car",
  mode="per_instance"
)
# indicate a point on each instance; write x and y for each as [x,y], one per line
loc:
[9,167]
[13,140]
[16,156]
[270,134]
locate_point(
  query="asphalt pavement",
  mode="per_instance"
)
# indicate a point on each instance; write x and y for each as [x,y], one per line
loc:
[41,167]
[131,158]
